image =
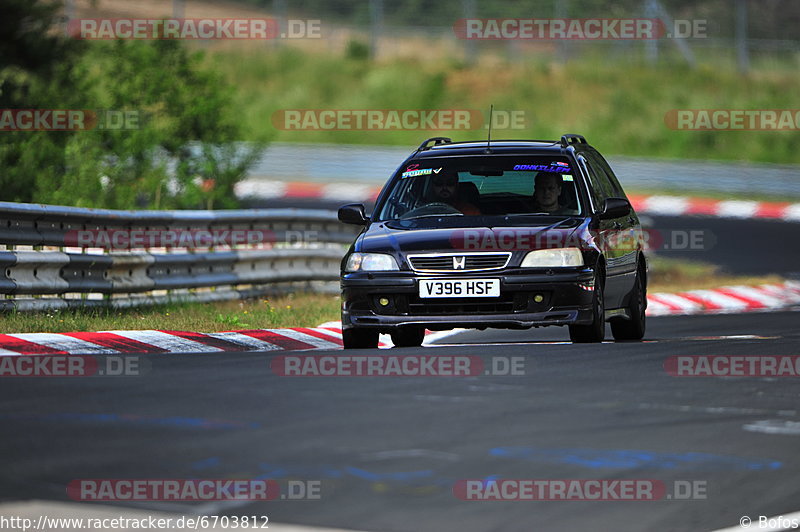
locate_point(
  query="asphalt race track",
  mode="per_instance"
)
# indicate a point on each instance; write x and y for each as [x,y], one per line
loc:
[388,450]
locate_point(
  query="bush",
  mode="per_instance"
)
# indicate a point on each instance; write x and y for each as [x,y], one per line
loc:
[357,50]
[182,152]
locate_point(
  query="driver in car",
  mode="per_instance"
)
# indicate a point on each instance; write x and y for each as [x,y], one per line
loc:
[446,190]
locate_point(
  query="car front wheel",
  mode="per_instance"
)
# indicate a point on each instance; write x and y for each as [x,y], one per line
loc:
[408,337]
[359,339]
[595,331]
[634,328]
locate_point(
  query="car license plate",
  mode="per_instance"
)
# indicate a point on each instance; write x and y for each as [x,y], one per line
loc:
[459,288]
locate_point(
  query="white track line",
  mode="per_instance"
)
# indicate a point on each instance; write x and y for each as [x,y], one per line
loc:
[384,340]
[440,335]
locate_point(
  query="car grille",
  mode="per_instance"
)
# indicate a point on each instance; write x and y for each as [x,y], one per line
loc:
[472,262]
[460,308]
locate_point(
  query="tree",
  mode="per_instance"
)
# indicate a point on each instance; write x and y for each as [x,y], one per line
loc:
[179,149]
[35,65]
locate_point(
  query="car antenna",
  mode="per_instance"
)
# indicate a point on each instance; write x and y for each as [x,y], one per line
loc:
[489,136]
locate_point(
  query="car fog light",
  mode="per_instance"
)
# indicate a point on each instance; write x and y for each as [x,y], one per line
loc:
[383,301]
[538,298]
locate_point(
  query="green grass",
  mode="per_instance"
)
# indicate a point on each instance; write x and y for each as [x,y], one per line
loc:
[618,106]
[298,310]
[678,275]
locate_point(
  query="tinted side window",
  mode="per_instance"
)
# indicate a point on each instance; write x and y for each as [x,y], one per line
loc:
[602,179]
[597,182]
[615,187]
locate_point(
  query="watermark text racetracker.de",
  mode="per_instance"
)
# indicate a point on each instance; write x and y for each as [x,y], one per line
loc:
[188,238]
[396,119]
[733,366]
[576,29]
[733,119]
[527,239]
[530,489]
[73,366]
[192,28]
[395,365]
[194,490]
[69,119]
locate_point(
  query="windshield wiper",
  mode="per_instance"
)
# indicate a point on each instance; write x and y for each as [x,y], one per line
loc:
[433,216]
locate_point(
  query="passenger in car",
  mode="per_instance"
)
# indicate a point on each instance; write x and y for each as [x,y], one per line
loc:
[546,193]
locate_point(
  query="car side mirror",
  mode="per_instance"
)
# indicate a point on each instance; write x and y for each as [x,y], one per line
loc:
[615,208]
[352,213]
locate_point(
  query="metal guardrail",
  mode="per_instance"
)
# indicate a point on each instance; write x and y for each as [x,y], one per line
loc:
[47,264]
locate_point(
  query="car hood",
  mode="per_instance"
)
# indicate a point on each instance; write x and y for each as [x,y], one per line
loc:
[461,235]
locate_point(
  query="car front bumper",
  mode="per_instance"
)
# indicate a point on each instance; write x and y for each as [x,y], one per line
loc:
[527,299]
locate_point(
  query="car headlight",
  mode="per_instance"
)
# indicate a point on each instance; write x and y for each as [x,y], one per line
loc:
[370,262]
[553,258]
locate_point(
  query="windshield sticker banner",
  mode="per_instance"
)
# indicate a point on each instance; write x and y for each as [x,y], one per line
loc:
[421,171]
[555,167]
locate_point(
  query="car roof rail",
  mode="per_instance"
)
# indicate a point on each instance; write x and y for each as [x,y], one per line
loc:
[571,138]
[436,142]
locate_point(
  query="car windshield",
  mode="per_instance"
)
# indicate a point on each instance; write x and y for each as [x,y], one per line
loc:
[483,186]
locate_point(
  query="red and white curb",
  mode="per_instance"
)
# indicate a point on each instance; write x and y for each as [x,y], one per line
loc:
[326,336]
[272,189]
[654,205]
[684,206]
[167,342]
[726,300]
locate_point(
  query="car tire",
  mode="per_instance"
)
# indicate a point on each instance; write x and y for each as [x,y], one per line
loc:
[634,328]
[596,331]
[408,336]
[359,339]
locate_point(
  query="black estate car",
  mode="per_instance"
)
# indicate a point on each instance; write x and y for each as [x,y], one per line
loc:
[505,234]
